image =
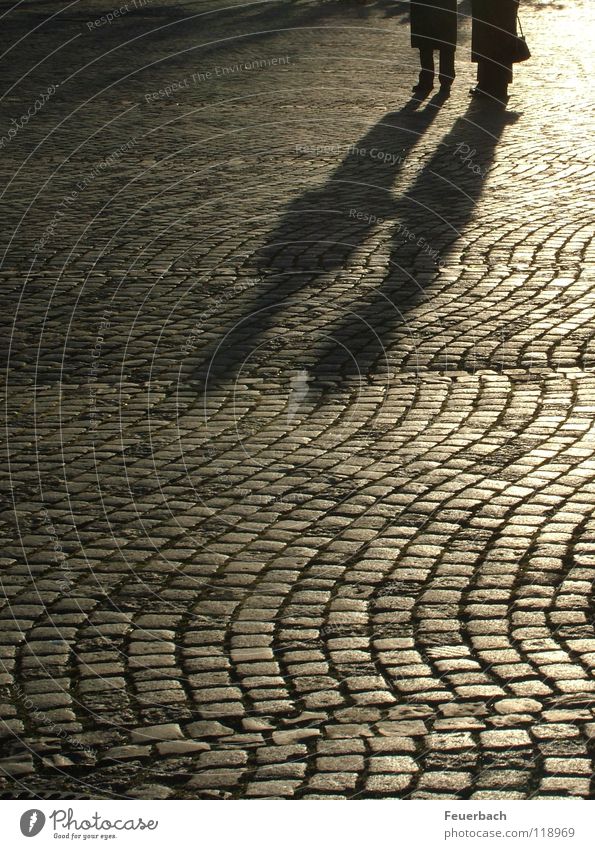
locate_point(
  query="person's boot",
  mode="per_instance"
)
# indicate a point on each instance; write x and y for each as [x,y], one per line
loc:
[445,86]
[425,84]
[495,95]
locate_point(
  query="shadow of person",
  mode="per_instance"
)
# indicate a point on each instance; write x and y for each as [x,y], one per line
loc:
[397,9]
[317,238]
[428,227]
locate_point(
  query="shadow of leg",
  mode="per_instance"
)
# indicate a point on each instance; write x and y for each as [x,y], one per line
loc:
[315,240]
[430,219]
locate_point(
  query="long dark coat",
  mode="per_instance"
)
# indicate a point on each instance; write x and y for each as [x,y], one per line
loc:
[494,25]
[433,23]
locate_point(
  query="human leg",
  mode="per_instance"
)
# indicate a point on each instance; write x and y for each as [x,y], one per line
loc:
[492,80]
[447,66]
[426,74]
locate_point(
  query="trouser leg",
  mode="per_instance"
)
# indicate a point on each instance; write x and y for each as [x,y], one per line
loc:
[447,65]
[484,75]
[426,60]
[493,78]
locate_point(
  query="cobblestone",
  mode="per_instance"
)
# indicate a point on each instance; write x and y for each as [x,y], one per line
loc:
[298,486]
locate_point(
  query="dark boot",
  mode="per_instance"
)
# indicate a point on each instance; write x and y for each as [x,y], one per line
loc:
[492,82]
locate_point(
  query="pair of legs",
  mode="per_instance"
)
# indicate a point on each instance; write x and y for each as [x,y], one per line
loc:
[493,79]
[447,67]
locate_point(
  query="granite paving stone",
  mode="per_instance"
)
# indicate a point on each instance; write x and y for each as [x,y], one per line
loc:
[298,484]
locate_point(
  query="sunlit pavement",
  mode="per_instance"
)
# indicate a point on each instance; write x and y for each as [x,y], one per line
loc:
[299,492]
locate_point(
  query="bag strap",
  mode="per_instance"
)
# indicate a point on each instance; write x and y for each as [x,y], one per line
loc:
[520,26]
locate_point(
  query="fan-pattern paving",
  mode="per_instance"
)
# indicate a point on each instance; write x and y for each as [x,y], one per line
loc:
[300,412]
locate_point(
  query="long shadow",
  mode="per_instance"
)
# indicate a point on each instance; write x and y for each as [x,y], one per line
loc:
[321,231]
[429,219]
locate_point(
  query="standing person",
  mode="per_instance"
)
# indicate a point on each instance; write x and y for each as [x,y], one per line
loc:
[493,35]
[434,27]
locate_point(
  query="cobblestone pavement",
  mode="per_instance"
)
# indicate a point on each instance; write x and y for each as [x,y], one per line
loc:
[299,492]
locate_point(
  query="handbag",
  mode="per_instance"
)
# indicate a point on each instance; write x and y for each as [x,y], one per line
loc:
[520,49]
